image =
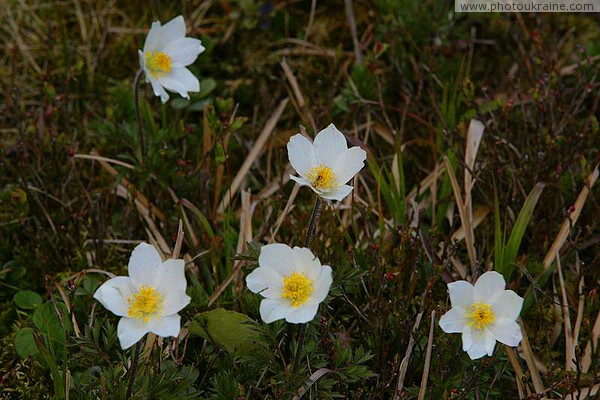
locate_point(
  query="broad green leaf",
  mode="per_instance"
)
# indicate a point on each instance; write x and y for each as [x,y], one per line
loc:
[25,343]
[28,299]
[230,330]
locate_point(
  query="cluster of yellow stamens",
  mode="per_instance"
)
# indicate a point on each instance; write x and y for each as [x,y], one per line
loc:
[322,178]
[296,288]
[158,64]
[479,315]
[144,304]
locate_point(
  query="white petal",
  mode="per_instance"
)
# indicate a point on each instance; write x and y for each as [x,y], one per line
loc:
[173,276]
[349,163]
[145,265]
[301,153]
[153,37]
[338,193]
[113,294]
[174,85]
[490,342]
[158,89]
[506,331]
[130,331]
[453,321]
[279,257]
[329,144]
[508,305]
[186,78]
[478,346]
[307,263]
[172,286]
[322,284]
[165,326]
[161,37]
[302,314]
[489,287]
[467,338]
[273,309]
[266,281]
[461,294]
[300,181]
[174,303]
[183,51]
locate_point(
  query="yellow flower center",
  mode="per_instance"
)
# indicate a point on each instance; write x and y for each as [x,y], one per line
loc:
[322,178]
[144,304]
[158,64]
[479,315]
[296,288]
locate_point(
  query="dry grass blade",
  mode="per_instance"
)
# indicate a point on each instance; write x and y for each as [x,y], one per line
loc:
[406,359]
[529,358]
[512,358]
[463,213]
[138,197]
[478,217]
[474,136]
[179,241]
[584,393]
[592,344]
[244,237]
[565,229]
[253,155]
[427,364]
[311,381]
[303,111]
[569,345]
[286,210]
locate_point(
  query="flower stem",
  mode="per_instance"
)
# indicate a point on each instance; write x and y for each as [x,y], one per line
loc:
[133,369]
[314,220]
[138,113]
[312,226]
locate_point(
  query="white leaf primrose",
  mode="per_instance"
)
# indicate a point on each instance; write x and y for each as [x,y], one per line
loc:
[149,299]
[292,281]
[483,313]
[327,164]
[166,54]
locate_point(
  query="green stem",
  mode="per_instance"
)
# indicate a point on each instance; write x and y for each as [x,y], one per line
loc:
[133,369]
[314,220]
[138,114]
[312,226]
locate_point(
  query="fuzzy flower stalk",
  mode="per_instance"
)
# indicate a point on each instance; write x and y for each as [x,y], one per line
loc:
[292,281]
[166,54]
[484,313]
[149,299]
[327,164]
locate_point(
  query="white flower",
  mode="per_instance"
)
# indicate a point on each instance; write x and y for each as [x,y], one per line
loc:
[327,164]
[166,54]
[149,298]
[483,314]
[293,282]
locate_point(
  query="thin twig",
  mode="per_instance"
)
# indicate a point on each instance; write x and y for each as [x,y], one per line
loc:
[352,23]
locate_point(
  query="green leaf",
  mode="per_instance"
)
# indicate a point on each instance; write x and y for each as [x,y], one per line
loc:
[518,230]
[25,343]
[230,330]
[206,87]
[47,321]
[28,299]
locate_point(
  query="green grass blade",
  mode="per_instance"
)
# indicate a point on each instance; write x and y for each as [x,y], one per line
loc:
[518,230]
